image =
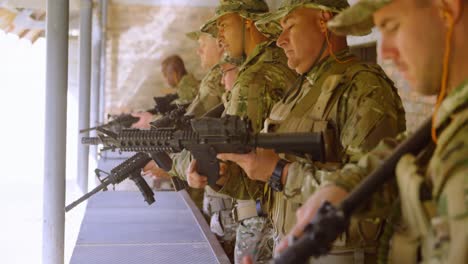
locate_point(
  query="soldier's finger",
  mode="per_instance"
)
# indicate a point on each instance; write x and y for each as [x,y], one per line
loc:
[281,246]
[230,156]
[192,166]
[247,260]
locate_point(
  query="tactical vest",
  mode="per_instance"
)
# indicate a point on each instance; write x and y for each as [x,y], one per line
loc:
[316,108]
[421,233]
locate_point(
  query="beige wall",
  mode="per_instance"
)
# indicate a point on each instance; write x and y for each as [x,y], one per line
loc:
[138,38]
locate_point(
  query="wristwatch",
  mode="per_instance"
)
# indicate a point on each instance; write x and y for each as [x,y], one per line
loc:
[275,179]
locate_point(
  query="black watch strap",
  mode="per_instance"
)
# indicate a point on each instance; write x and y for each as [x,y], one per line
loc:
[275,179]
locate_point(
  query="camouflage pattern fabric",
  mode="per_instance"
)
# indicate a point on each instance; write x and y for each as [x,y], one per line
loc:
[254,238]
[356,20]
[262,80]
[210,93]
[187,89]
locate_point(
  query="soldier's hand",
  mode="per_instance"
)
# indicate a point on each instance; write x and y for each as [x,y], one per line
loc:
[194,179]
[145,119]
[258,164]
[152,169]
[307,211]
[247,260]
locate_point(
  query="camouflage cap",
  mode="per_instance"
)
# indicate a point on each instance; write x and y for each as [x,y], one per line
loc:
[248,9]
[194,35]
[356,20]
[209,29]
[287,6]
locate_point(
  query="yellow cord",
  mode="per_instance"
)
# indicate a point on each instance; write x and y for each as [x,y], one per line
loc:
[445,71]
[330,47]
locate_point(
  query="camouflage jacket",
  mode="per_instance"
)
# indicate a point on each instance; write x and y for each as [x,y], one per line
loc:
[210,93]
[262,80]
[187,89]
[356,100]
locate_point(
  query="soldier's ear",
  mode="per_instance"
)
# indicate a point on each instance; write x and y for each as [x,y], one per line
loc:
[324,18]
[248,23]
[450,10]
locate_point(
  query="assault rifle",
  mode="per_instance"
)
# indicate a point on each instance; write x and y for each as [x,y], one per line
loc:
[206,137]
[163,106]
[131,169]
[331,221]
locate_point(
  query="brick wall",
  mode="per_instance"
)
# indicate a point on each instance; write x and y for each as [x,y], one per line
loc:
[138,38]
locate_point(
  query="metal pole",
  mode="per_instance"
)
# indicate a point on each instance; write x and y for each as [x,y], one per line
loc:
[102,86]
[95,89]
[55,132]
[85,90]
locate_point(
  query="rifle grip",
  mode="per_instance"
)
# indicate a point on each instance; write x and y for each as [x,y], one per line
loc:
[210,169]
[145,190]
[162,159]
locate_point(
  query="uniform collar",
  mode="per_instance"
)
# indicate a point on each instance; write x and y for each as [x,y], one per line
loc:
[325,64]
[454,100]
[258,50]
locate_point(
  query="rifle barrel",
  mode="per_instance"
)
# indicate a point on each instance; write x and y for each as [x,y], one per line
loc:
[86,196]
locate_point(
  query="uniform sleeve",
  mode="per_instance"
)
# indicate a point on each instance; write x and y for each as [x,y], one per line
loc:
[369,111]
[180,163]
[210,94]
[256,91]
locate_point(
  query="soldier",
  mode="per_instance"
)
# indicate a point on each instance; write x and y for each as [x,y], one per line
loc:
[185,84]
[433,61]
[262,80]
[353,103]
[211,89]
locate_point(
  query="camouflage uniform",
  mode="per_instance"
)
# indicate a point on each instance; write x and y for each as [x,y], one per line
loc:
[209,96]
[187,89]
[435,230]
[355,105]
[211,89]
[261,81]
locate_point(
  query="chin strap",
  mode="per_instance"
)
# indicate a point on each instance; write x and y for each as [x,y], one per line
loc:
[445,69]
[243,57]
